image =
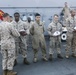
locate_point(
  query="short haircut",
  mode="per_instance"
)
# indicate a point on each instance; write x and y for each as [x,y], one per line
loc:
[5,15]
[37,14]
[65,2]
[16,13]
[56,15]
[72,10]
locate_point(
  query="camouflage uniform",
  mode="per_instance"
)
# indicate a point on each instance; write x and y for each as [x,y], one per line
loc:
[66,11]
[7,34]
[70,24]
[38,39]
[29,37]
[55,41]
[21,45]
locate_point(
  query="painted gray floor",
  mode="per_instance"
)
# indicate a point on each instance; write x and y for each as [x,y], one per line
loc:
[56,67]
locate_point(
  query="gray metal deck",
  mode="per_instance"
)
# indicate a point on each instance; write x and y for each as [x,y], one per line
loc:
[56,67]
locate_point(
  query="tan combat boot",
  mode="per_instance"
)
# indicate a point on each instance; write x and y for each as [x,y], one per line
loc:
[11,73]
[25,61]
[73,55]
[67,56]
[15,62]
[50,57]
[35,60]
[59,56]
[5,72]
[44,58]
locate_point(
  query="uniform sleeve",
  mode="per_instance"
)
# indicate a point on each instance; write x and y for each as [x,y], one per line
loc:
[43,27]
[63,10]
[61,28]
[14,31]
[25,25]
[67,23]
[26,28]
[49,29]
[32,29]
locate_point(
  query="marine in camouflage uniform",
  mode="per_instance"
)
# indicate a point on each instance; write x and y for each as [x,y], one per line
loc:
[29,37]
[55,41]
[66,11]
[7,34]
[70,24]
[21,45]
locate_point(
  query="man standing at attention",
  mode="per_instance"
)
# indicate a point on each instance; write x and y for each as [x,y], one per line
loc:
[21,45]
[38,40]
